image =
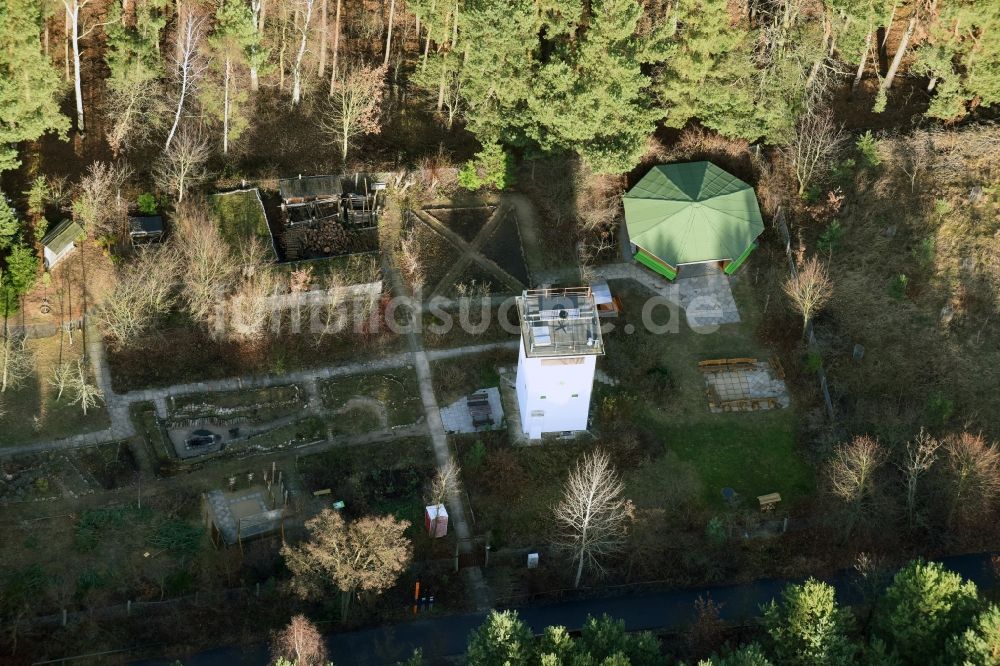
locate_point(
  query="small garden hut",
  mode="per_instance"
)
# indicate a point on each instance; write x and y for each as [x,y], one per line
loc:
[61,241]
[691,213]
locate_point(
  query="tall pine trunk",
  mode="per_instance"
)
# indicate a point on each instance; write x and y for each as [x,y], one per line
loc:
[77,83]
[336,48]
[388,33]
[898,58]
[324,29]
[225,106]
[297,72]
[864,58]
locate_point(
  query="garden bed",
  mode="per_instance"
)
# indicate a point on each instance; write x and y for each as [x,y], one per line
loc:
[241,217]
[466,222]
[504,247]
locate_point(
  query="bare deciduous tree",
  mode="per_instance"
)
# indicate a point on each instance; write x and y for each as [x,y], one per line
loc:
[100,204]
[355,106]
[209,267]
[809,288]
[74,24]
[921,454]
[142,290]
[365,555]
[444,486]
[852,474]
[591,516]
[85,393]
[252,302]
[300,643]
[62,376]
[16,361]
[182,165]
[815,142]
[973,473]
[189,63]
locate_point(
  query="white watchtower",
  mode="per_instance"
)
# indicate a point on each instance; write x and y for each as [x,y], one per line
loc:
[560,343]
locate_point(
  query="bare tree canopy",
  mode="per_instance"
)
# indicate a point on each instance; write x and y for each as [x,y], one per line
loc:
[209,267]
[143,289]
[16,362]
[299,644]
[814,145]
[852,475]
[182,164]
[355,106]
[99,202]
[973,476]
[809,288]
[921,454]
[592,516]
[365,555]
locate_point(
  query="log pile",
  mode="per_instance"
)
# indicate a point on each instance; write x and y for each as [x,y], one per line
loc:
[316,239]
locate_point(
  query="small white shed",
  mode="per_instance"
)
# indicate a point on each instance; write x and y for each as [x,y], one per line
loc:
[60,242]
[436,521]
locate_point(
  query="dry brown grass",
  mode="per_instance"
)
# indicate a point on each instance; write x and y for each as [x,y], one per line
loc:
[932,351]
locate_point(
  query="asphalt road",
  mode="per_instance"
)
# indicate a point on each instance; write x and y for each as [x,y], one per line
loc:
[446,635]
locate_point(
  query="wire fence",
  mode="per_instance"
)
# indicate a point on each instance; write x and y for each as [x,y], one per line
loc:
[779,222]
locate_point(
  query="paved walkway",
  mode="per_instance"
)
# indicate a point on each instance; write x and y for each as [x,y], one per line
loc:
[456,510]
[707,300]
[119,403]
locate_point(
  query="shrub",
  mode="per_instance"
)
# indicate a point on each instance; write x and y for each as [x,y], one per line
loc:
[939,409]
[147,204]
[842,172]
[867,146]
[814,361]
[715,530]
[831,237]
[493,166]
[476,455]
[923,253]
[898,285]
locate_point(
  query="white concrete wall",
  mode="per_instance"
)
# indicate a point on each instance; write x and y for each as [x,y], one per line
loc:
[554,396]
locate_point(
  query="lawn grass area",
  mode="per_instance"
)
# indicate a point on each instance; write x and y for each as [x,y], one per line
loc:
[31,412]
[241,217]
[398,390]
[752,453]
[662,390]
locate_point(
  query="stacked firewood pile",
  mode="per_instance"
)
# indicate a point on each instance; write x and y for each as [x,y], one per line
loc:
[318,238]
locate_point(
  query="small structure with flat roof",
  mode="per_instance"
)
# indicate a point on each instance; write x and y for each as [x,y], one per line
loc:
[145,228]
[560,342]
[60,242]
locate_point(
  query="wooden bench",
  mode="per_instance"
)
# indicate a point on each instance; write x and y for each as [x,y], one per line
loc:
[721,364]
[769,501]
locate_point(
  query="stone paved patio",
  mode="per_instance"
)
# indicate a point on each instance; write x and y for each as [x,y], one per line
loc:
[746,389]
[456,417]
[707,300]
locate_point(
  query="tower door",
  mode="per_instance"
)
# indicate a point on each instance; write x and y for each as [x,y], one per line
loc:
[536,424]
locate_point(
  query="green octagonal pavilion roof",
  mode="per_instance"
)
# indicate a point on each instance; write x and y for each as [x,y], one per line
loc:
[692,211]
